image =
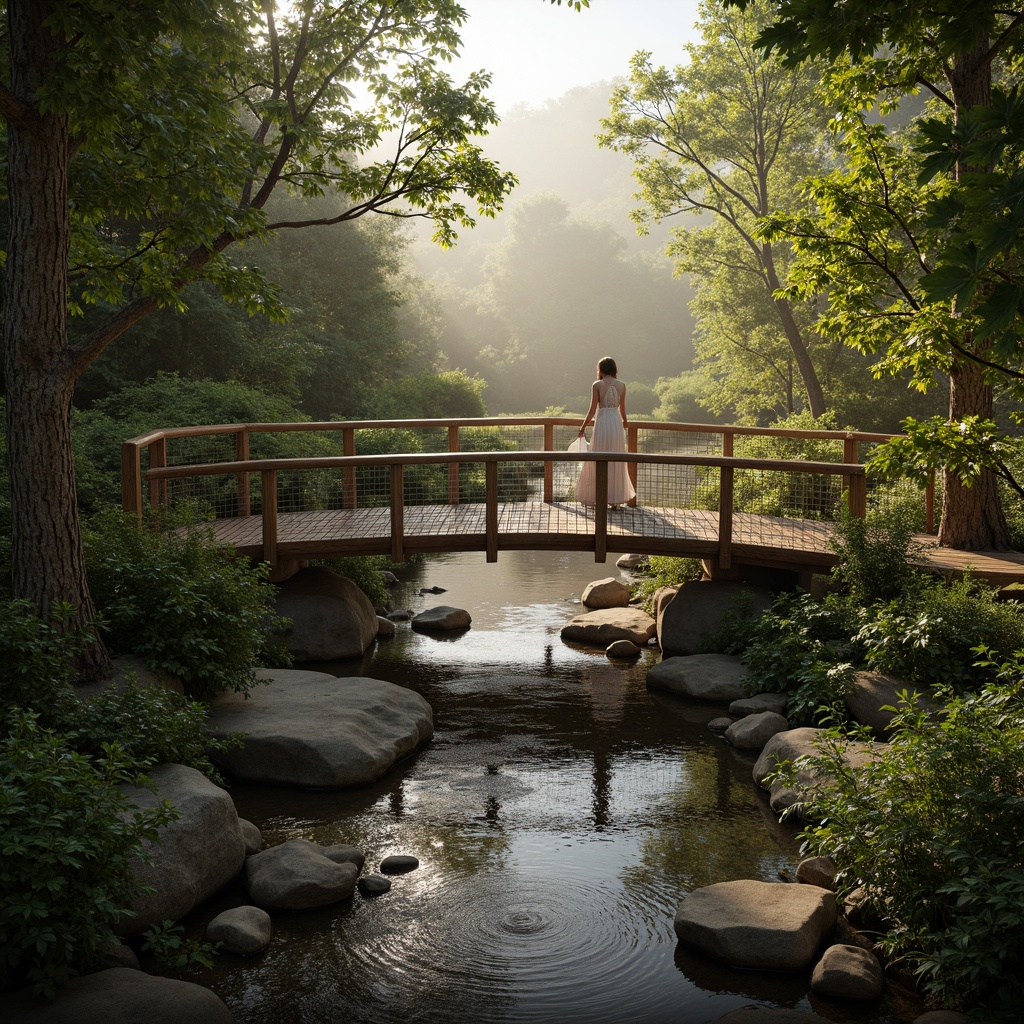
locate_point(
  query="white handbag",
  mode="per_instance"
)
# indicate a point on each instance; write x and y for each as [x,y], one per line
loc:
[579,446]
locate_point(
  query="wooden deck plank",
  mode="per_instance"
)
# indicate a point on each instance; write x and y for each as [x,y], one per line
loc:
[568,526]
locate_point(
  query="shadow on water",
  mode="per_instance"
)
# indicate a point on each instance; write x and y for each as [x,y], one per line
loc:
[560,813]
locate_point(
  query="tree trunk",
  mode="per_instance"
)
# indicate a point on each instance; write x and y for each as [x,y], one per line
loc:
[48,563]
[809,376]
[972,517]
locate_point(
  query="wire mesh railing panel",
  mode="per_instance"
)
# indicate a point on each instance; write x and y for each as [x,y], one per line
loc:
[660,485]
[678,442]
[787,494]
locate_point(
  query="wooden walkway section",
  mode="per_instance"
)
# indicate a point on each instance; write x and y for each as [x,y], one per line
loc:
[798,545]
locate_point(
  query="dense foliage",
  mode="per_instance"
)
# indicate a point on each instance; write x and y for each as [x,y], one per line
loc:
[183,604]
[67,839]
[930,832]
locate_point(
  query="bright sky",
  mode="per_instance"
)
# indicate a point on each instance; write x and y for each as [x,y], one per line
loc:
[537,51]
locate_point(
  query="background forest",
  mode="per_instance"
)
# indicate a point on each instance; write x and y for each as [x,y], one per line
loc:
[381,322]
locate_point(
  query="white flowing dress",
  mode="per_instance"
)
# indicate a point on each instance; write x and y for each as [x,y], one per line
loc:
[608,436]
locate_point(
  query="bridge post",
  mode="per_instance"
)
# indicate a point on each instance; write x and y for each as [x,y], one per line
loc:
[725,500]
[348,481]
[549,467]
[158,460]
[397,513]
[242,455]
[453,467]
[491,508]
[851,456]
[131,480]
[601,511]
[631,446]
[857,496]
[268,489]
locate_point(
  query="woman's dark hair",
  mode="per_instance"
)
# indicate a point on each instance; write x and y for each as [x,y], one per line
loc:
[607,365]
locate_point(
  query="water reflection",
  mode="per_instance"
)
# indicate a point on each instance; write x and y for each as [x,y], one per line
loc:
[559,814]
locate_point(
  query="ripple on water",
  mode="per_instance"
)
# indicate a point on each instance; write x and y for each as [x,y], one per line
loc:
[548,945]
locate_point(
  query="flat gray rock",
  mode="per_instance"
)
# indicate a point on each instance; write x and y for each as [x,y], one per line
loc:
[443,618]
[194,856]
[772,926]
[713,677]
[119,995]
[752,732]
[606,625]
[299,875]
[629,561]
[315,730]
[776,702]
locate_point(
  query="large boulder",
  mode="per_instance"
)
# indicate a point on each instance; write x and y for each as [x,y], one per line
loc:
[606,625]
[194,856]
[715,677]
[300,875]
[871,693]
[791,746]
[315,730]
[772,926]
[700,609]
[331,617]
[606,593]
[118,995]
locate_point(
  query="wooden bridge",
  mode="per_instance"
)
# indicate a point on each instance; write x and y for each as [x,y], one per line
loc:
[731,496]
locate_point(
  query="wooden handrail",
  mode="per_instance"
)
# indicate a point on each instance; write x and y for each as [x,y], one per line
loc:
[159,472]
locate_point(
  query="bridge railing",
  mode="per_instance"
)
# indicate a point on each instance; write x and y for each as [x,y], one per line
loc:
[245,469]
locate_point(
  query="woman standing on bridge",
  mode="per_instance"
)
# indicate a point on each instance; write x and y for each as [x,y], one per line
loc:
[608,400]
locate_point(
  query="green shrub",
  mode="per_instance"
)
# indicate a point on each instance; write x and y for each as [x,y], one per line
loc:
[801,647]
[173,952]
[664,571]
[67,840]
[364,572]
[933,830]
[38,656]
[151,726]
[182,603]
[932,638]
[874,553]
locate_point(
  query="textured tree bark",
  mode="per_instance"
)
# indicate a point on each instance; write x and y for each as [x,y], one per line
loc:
[972,517]
[48,563]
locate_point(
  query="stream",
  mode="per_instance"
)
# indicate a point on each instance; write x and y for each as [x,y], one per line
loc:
[560,813]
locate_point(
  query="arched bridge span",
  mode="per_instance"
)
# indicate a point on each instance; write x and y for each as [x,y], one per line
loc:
[730,495]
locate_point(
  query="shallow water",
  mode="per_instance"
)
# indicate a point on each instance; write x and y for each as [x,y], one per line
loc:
[560,813]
